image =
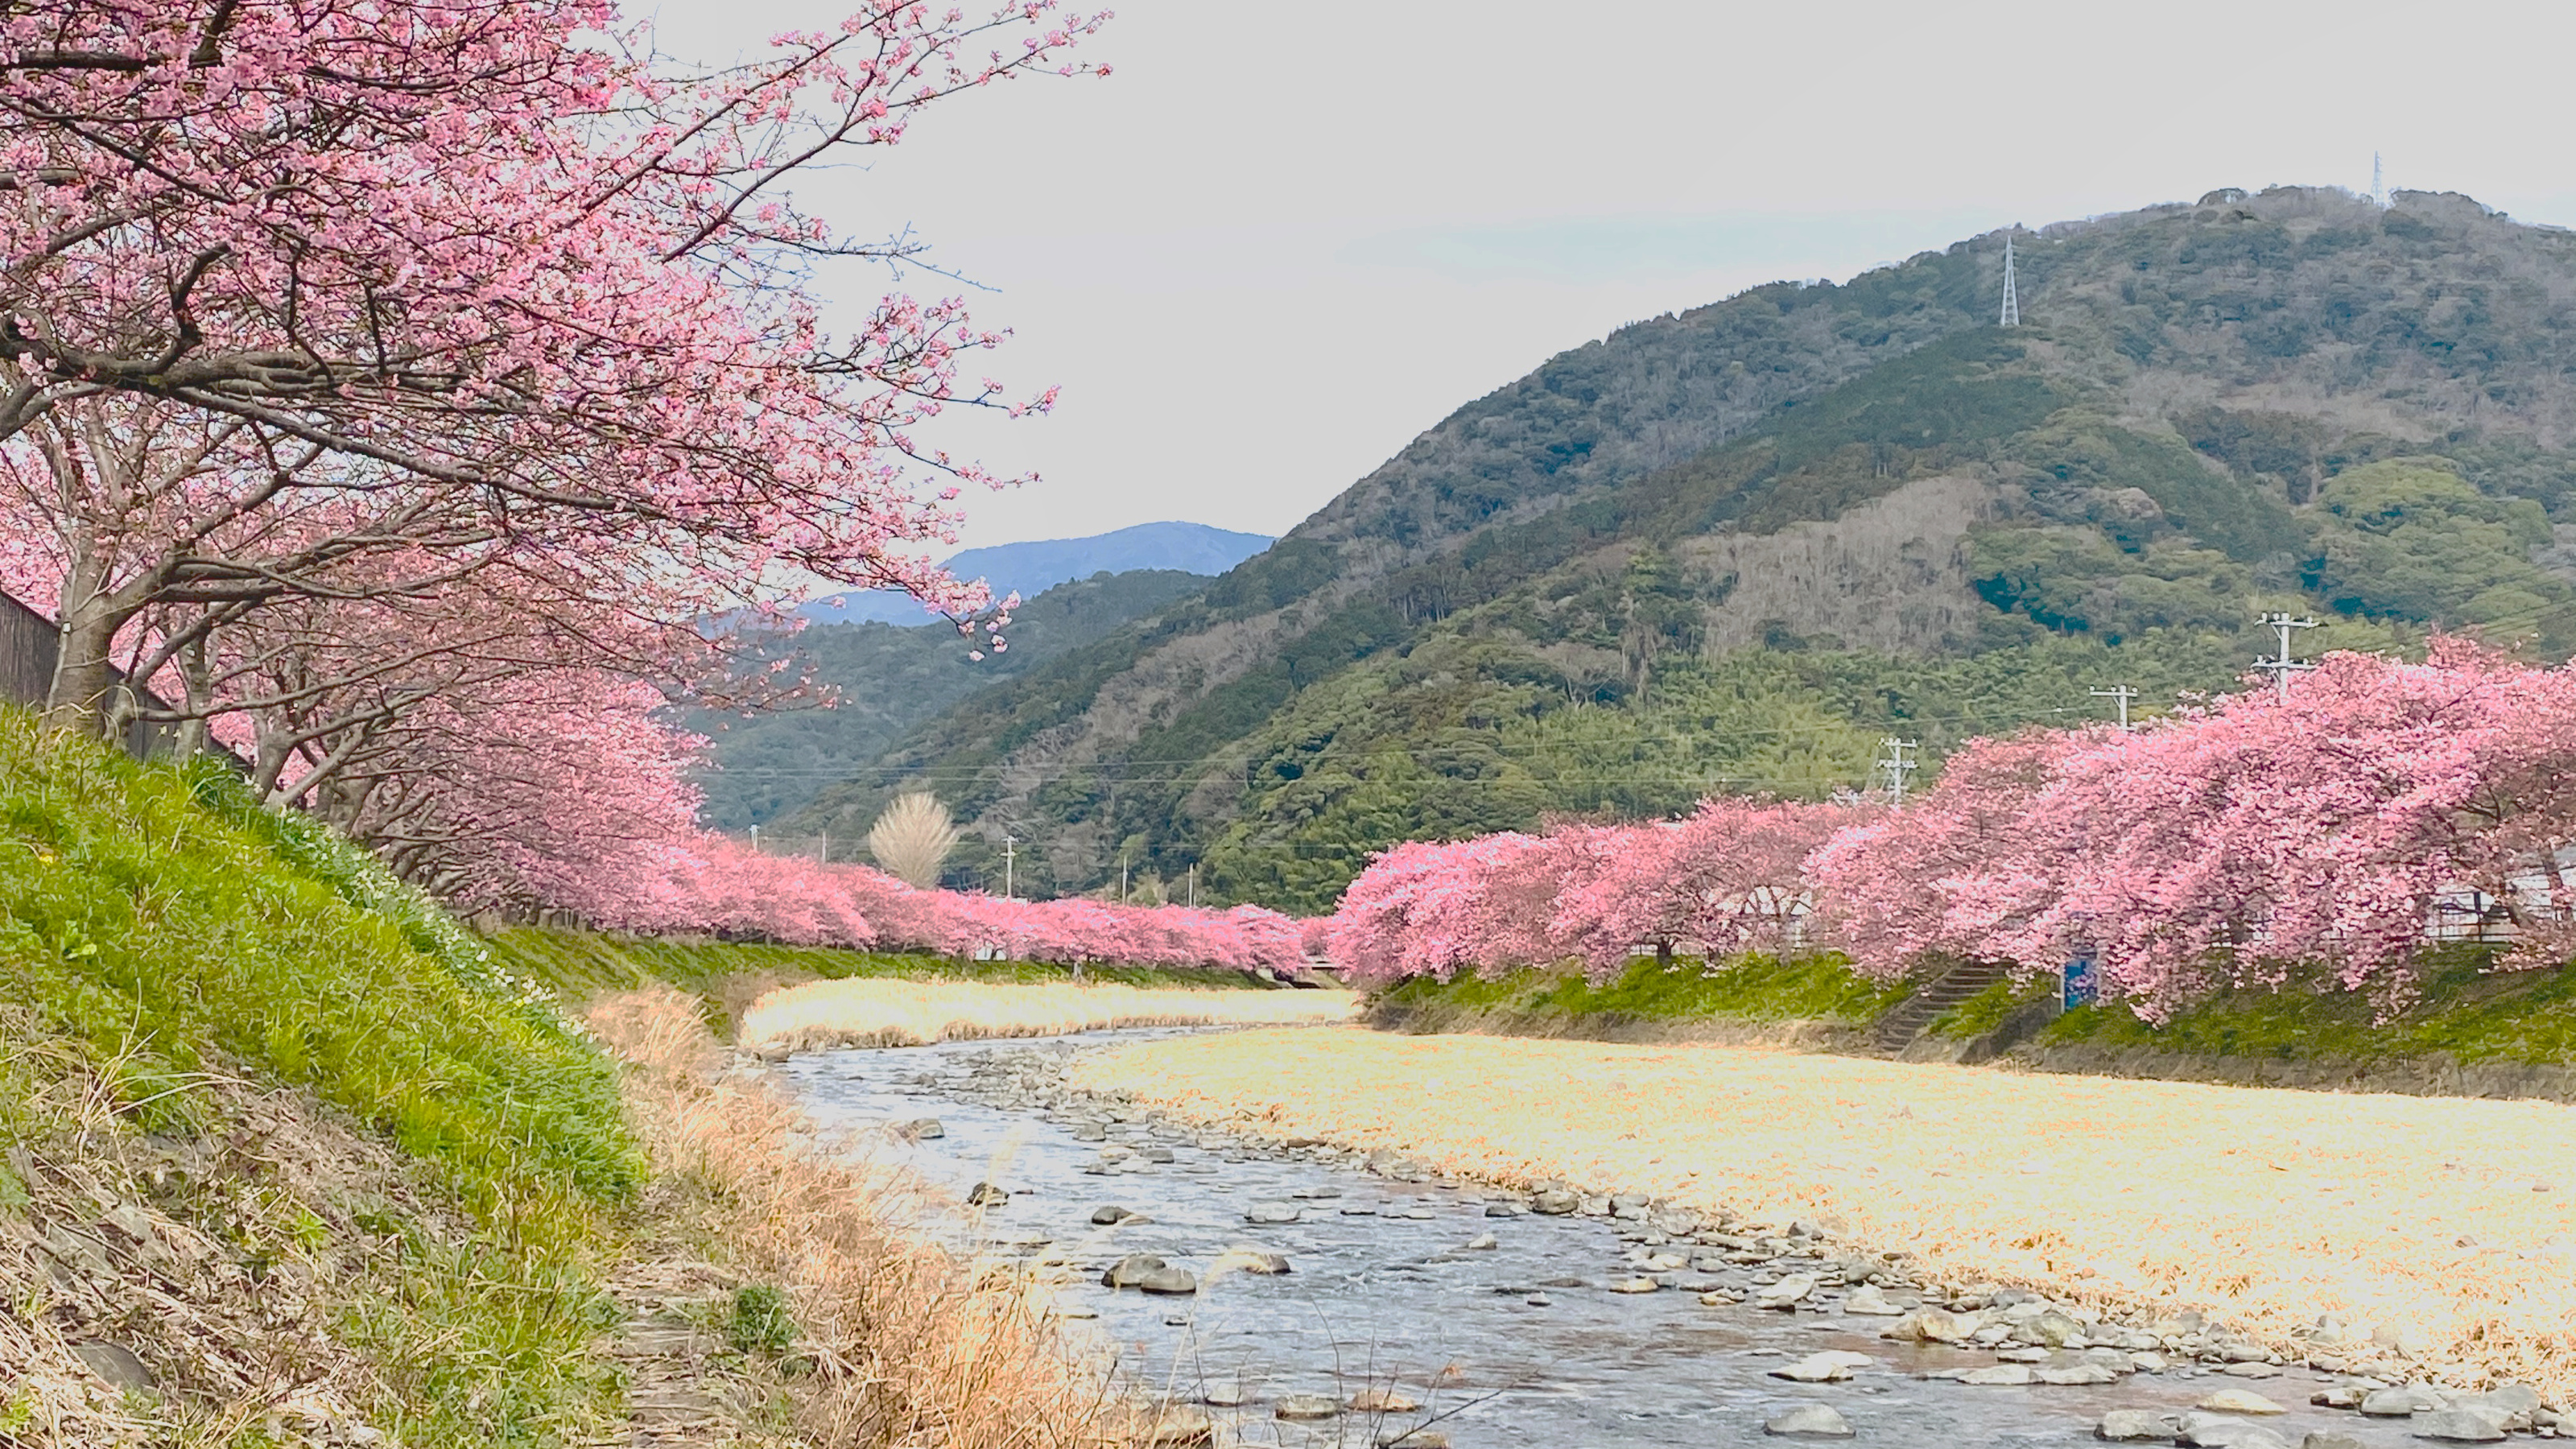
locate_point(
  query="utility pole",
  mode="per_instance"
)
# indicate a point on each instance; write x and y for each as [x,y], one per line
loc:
[1122,880]
[2012,295]
[2281,666]
[1898,764]
[1194,886]
[755,840]
[1008,894]
[2121,693]
[826,857]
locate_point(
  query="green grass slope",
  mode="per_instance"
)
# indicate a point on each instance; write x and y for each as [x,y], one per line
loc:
[247,1033]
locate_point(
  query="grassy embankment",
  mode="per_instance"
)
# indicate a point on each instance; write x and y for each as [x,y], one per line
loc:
[1756,990]
[728,976]
[2464,1013]
[286,1153]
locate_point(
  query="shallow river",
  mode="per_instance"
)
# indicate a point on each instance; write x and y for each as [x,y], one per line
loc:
[1520,1344]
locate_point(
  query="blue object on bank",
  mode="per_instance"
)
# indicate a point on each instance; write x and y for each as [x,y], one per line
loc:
[2083,983]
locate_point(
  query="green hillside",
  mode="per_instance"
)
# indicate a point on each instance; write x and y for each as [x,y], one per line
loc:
[890,679]
[1733,548]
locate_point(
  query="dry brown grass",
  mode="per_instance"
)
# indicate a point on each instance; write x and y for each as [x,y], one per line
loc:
[2264,1208]
[889,1012]
[914,1345]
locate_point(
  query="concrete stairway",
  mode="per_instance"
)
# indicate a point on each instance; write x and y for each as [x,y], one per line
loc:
[1897,1030]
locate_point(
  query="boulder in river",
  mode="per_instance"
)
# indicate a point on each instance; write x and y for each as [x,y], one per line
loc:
[1634,1285]
[1271,1214]
[1830,1366]
[1110,1217]
[2125,1426]
[2457,1426]
[1868,1302]
[1170,1282]
[1382,1401]
[920,1129]
[1932,1325]
[2238,1401]
[985,1194]
[2394,1403]
[1127,1272]
[1483,1241]
[2067,1375]
[1555,1202]
[2001,1375]
[1808,1421]
[1785,1294]
[1419,1437]
[2331,1440]
[2218,1431]
[1245,1258]
[1306,1406]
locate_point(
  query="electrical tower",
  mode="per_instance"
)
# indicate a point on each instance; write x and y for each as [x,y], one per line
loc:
[1898,764]
[2281,666]
[2378,190]
[1010,847]
[2012,295]
[2123,694]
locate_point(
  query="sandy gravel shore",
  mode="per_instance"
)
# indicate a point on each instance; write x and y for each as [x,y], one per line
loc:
[886,1011]
[2450,1222]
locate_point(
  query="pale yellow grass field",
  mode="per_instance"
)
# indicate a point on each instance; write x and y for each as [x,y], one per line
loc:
[916,1013]
[2264,1208]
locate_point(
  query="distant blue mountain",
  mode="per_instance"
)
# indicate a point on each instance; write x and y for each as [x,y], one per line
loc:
[1033,568]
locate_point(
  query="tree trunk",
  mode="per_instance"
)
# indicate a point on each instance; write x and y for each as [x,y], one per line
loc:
[84,684]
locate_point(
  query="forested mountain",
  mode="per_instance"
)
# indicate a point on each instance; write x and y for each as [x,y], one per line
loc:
[886,680]
[1733,548]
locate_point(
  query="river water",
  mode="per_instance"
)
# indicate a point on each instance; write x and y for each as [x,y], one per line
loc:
[1518,1344]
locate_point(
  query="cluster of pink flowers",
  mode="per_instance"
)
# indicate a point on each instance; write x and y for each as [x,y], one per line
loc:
[2379,806]
[707,884]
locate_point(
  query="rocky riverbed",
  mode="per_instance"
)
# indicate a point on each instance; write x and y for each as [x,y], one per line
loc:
[1288,1292]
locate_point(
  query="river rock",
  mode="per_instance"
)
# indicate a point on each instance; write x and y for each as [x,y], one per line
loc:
[1170,1282]
[1271,1214]
[2331,1440]
[2067,1375]
[1868,1302]
[1555,1202]
[1828,1367]
[1176,1426]
[1932,1325]
[1634,1285]
[1785,1294]
[1382,1401]
[2341,1396]
[1128,1271]
[1808,1421]
[115,1363]
[985,1194]
[1483,1242]
[2514,1406]
[920,1129]
[2457,1426]
[2000,1375]
[1503,1210]
[2394,1403]
[1110,1217]
[1225,1396]
[2252,1371]
[1421,1436]
[2238,1401]
[1306,1406]
[2123,1426]
[1245,1258]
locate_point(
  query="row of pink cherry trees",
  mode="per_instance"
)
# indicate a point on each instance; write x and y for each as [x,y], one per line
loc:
[2238,843]
[706,884]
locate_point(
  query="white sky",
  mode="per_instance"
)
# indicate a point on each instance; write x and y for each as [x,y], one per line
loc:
[1283,239]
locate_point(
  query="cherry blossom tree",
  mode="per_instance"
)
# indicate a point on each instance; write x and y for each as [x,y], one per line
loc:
[286,285]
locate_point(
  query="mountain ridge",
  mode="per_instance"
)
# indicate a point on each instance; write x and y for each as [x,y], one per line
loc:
[1032,567]
[1871,473]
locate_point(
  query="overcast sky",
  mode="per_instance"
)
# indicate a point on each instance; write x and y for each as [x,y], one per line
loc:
[1283,239]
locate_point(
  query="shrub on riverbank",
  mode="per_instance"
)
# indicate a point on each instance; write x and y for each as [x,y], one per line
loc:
[1749,988]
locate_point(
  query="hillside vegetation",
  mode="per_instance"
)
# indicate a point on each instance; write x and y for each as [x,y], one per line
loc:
[889,678]
[1733,548]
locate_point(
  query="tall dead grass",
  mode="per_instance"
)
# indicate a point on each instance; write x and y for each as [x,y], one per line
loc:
[2455,1219]
[881,1011]
[914,1345]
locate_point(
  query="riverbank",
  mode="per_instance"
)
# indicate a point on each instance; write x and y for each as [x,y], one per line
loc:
[877,1012]
[2468,1031]
[2443,1227]
[288,1156]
